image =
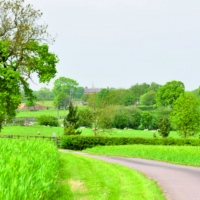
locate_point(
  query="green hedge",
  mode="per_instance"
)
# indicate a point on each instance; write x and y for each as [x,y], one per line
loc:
[83,142]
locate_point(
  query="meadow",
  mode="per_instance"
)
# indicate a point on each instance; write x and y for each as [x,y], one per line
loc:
[48,131]
[185,155]
[37,113]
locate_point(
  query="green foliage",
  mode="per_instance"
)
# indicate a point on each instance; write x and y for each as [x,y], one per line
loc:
[79,92]
[146,120]
[10,95]
[127,117]
[71,121]
[29,102]
[169,92]
[83,142]
[62,100]
[85,117]
[138,90]
[48,120]
[148,98]
[22,53]
[164,126]
[121,119]
[164,111]
[29,169]
[65,85]
[85,97]
[64,90]
[185,116]
[44,94]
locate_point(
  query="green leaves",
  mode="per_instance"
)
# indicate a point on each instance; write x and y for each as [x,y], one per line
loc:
[186,114]
[169,92]
[9,93]
[71,121]
[21,54]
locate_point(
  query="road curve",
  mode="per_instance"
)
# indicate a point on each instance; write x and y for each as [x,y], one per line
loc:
[177,181]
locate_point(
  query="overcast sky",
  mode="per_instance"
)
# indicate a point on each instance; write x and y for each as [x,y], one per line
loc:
[118,43]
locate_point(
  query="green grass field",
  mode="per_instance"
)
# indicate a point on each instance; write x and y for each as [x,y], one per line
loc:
[31,130]
[87,178]
[47,131]
[185,155]
[37,113]
[45,103]
[34,169]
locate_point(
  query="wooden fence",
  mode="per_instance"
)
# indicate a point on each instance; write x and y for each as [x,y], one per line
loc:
[55,139]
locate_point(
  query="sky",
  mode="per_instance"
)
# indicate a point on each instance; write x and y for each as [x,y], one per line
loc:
[119,43]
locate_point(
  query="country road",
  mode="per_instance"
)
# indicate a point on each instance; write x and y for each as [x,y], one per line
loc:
[177,181]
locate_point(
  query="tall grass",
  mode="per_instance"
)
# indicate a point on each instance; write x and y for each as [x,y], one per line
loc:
[186,155]
[28,170]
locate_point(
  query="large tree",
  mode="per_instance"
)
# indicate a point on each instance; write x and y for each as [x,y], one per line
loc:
[23,51]
[148,98]
[185,116]
[169,92]
[65,85]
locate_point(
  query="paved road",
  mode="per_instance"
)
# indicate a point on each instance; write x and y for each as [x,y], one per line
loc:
[177,181]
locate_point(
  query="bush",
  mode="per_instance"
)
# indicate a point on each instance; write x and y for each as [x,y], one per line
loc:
[127,117]
[85,117]
[47,120]
[164,126]
[83,142]
[121,119]
[71,121]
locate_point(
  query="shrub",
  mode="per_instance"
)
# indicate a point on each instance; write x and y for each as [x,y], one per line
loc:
[85,117]
[83,142]
[121,119]
[71,121]
[47,120]
[164,126]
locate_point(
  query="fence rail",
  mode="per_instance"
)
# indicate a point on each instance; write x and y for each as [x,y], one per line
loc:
[56,139]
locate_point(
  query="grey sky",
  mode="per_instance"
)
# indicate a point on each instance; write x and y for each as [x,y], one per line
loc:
[119,43]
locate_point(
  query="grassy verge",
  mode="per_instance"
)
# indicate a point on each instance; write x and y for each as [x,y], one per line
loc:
[87,178]
[186,155]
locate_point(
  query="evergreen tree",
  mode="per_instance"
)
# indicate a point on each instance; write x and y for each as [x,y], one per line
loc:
[164,126]
[71,121]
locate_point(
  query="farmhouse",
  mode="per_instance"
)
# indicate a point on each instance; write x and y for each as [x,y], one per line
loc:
[91,90]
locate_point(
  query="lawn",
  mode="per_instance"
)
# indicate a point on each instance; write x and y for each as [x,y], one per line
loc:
[186,155]
[87,178]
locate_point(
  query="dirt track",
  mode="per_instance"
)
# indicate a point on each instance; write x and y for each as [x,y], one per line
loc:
[177,181]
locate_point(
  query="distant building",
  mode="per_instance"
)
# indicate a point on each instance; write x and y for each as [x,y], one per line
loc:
[91,90]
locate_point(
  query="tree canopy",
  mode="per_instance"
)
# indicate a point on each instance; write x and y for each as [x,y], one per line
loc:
[169,92]
[185,116]
[23,51]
